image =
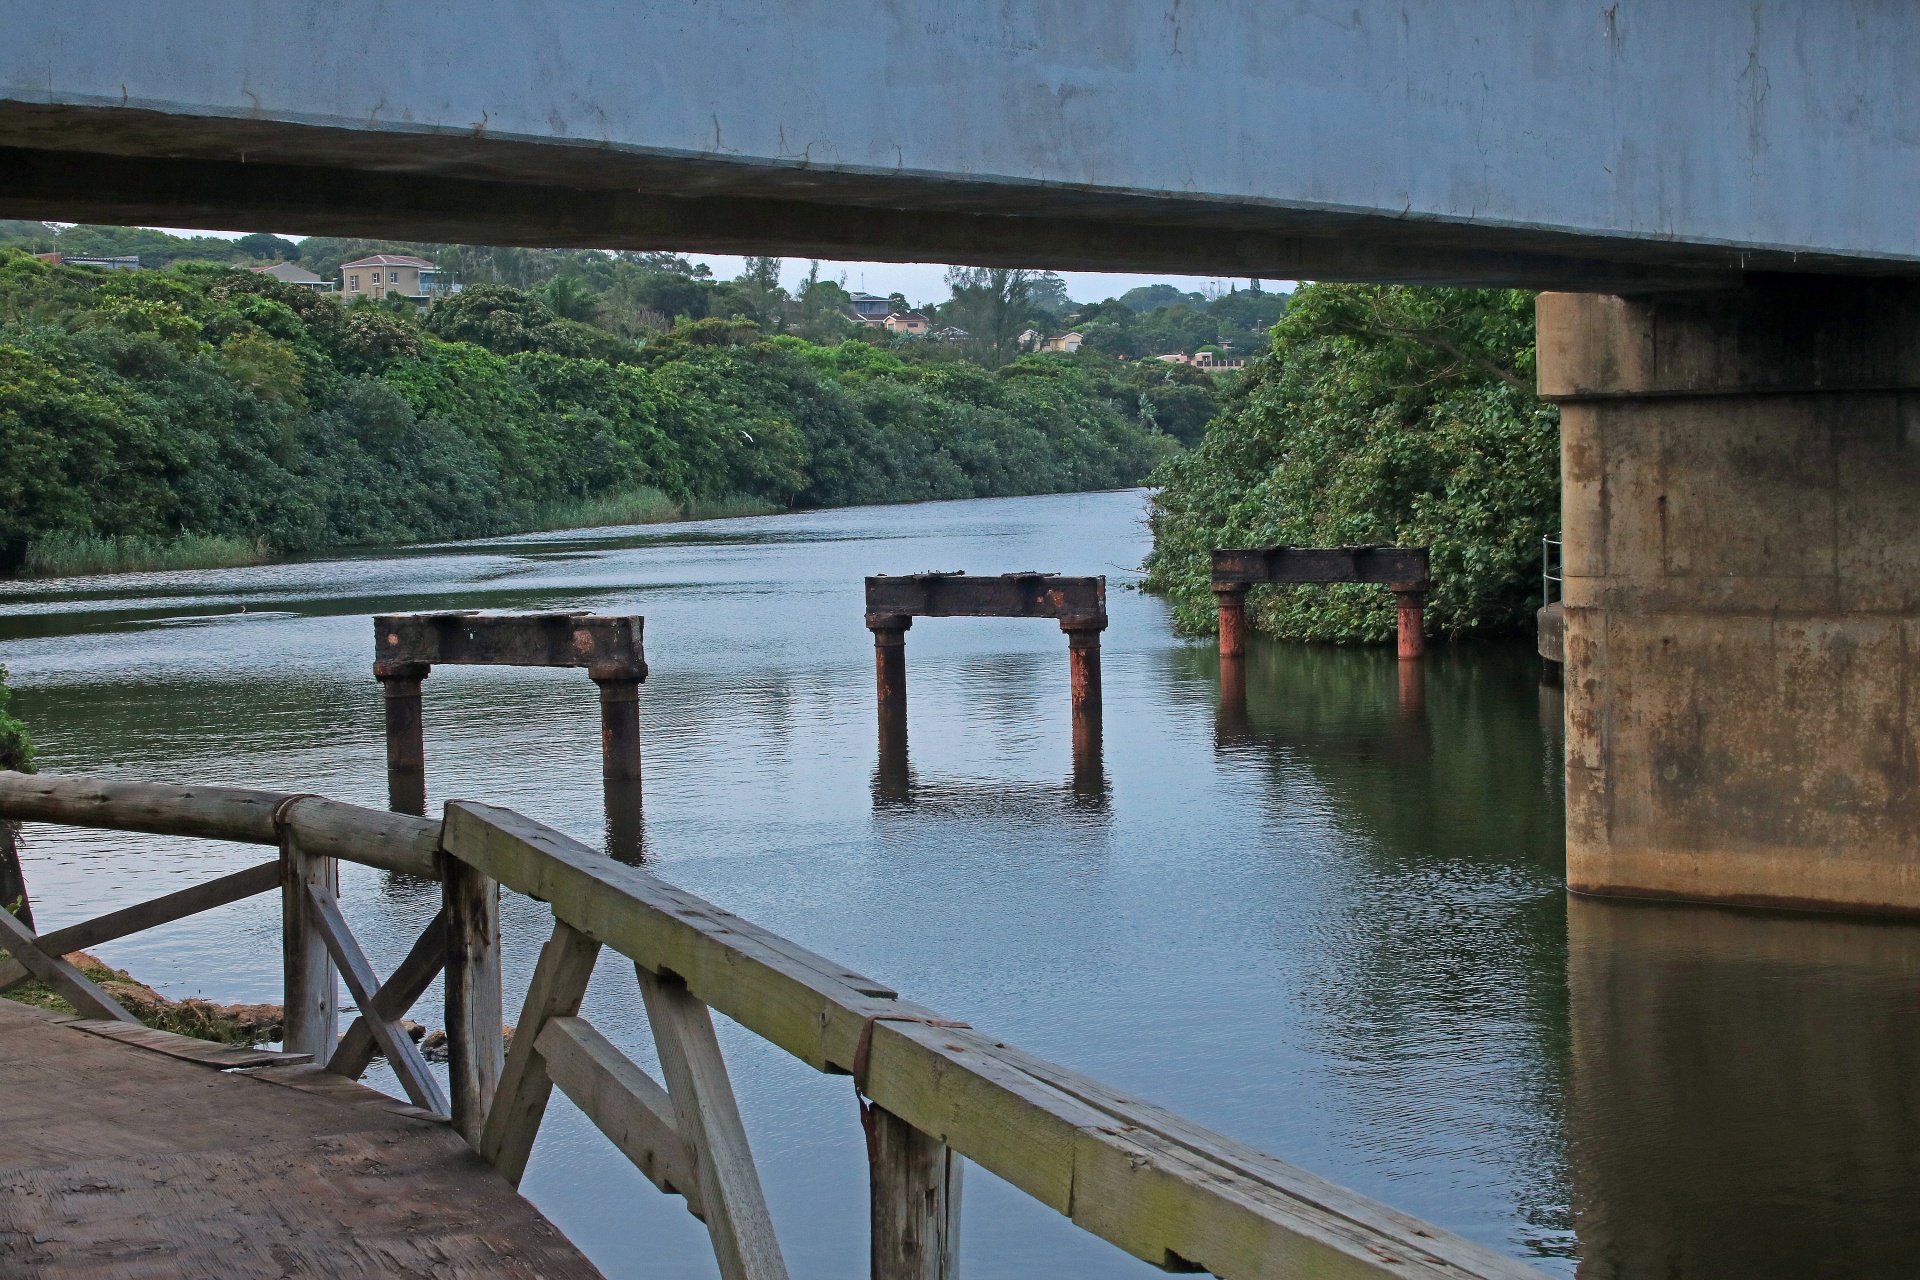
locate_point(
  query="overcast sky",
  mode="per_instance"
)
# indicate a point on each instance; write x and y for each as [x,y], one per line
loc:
[919,281]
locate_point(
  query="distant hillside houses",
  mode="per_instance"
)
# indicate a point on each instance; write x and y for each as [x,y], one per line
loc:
[414,279]
[1065,343]
[130,262]
[294,273]
[1211,361]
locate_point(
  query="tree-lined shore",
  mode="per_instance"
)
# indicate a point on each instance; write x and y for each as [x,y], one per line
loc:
[140,410]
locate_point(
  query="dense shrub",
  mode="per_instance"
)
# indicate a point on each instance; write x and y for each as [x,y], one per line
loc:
[205,401]
[1381,415]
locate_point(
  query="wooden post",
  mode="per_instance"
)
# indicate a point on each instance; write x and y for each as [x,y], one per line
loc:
[915,1193]
[475,1045]
[559,984]
[1411,610]
[619,725]
[890,662]
[1233,618]
[13,881]
[406,739]
[312,1017]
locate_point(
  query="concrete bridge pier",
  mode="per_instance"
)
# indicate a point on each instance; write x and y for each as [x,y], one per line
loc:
[1742,589]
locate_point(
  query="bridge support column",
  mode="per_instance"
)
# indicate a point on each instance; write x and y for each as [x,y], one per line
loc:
[406,738]
[1742,592]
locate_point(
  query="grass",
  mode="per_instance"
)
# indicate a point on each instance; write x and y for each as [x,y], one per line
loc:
[640,506]
[64,555]
[201,1019]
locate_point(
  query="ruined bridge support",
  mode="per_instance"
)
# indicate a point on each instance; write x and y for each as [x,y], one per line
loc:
[1742,586]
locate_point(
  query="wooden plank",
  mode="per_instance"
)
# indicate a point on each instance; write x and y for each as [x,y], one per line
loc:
[123,1163]
[707,1117]
[207,1053]
[391,841]
[803,1002]
[1013,595]
[624,1102]
[610,644]
[559,984]
[174,906]
[78,990]
[476,1052]
[310,1019]
[914,1195]
[1393,566]
[403,1055]
[1176,1203]
[396,996]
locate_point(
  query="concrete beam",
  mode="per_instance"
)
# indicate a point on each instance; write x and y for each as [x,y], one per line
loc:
[1640,145]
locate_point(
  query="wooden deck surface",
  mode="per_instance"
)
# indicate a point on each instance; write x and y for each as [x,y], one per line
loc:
[117,1160]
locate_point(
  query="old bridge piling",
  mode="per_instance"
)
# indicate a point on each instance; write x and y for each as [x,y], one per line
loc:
[407,646]
[1078,604]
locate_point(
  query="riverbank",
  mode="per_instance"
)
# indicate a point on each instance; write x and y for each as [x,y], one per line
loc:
[71,555]
[246,1024]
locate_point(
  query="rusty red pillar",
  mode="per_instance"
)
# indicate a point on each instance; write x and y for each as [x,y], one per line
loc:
[406,739]
[1083,657]
[1411,605]
[619,724]
[1233,618]
[890,658]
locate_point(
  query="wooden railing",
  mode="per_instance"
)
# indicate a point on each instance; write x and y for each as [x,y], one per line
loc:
[931,1089]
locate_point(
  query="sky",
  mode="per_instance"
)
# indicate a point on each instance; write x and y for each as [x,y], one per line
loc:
[921,282]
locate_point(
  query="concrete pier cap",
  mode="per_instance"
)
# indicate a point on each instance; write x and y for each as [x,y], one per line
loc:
[1741,492]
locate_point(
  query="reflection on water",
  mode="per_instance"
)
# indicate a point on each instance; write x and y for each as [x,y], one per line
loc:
[1314,900]
[1744,1093]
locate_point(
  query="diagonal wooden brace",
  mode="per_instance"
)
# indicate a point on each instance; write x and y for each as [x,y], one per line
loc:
[78,990]
[403,1055]
[559,985]
[708,1120]
[392,1001]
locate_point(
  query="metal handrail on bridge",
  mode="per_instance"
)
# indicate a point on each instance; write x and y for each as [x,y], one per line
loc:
[1552,568]
[931,1089]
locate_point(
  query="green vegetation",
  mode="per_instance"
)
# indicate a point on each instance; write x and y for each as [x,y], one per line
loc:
[1381,415]
[151,416]
[16,748]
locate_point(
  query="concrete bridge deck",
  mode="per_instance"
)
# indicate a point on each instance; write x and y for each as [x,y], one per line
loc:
[117,1160]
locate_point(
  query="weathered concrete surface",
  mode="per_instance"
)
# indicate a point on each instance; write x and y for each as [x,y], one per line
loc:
[1590,146]
[1550,633]
[1742,591]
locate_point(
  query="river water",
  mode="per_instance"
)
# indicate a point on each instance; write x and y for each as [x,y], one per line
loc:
[1328,920]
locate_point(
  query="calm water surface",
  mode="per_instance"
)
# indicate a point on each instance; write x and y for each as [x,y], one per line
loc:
[1329,921]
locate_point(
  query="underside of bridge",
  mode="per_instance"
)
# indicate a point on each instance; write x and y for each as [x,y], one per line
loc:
[1724,191]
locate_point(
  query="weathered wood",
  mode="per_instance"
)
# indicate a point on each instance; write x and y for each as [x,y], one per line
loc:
[406,984]
[1013,595]
[609,644]
[327,828]
[310,1019]
[75,987]
[914,1190]
[225,1057]
[124,1163]
[559,984]
[403,1055]
[1175,1202]
[1394,566]
[174,906]
[475,1050]
[708,1119]
[624,1102]
[13,878]
[803,1002]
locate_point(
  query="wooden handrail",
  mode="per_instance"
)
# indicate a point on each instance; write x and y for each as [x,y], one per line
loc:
[325,828]
[1161,1187]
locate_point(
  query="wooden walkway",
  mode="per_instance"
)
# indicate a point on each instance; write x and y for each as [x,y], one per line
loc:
[118,1159]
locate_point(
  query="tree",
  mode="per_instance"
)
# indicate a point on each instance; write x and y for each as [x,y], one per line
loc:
[569,299]
[993,304]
